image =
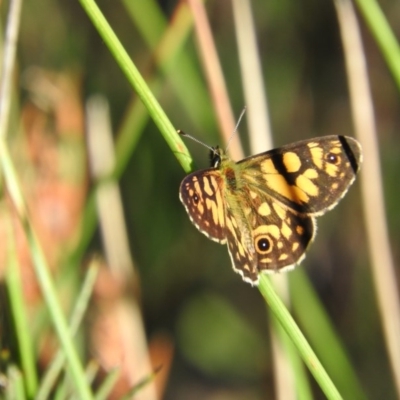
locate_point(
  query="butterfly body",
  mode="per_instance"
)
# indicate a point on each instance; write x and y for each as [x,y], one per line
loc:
[263,207]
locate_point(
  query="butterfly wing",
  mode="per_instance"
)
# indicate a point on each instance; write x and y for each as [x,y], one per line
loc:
[310,176]
[202,195]
[266,237]
[256,241]
[280,192]
[263,207]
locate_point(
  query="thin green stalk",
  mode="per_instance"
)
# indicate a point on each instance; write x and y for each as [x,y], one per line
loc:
[166,39]
[15,292]
[321,333]
[107,385]
[303,389]
[288,324]
[138,83]
[43,275]
[77,315]
[131,128]
[383,35]
[39,262]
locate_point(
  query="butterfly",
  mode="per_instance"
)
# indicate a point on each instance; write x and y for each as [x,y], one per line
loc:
[264,206]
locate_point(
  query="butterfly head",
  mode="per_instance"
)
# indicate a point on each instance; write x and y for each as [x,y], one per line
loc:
[215,157]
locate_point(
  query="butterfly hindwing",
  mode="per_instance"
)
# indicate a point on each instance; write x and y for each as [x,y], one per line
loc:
[272,239]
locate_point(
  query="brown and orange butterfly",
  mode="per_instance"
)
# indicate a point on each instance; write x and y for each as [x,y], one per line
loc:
[264,207]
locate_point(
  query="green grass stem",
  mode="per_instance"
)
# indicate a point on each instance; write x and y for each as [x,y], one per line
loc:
[285,319]
[138,83]
[42,272]
[383,34]
[21,321]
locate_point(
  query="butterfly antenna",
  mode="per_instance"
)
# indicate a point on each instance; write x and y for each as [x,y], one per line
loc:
[236,128]
[195,140]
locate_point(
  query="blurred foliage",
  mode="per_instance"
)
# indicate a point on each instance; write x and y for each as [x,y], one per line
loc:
[217,322]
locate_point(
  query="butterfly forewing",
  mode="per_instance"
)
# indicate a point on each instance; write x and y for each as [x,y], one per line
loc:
[310,176]
[201,194]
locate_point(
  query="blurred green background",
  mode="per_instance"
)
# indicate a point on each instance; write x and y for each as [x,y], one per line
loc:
[219,324]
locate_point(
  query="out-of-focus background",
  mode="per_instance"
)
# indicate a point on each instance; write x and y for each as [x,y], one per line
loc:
[206,329]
